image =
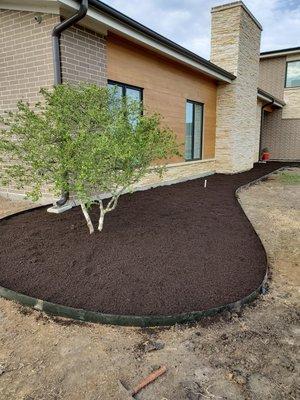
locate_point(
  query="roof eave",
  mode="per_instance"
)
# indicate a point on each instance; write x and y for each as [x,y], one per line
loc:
[124,26]
[161,39]
[280,53]
[107,18]
[265,96]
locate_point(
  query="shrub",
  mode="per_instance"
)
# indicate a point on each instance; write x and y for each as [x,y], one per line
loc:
[82,139]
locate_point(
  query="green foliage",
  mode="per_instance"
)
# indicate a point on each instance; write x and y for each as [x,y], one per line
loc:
[82,139]
[290,178]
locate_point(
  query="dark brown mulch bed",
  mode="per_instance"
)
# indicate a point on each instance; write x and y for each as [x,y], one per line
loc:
[168,250]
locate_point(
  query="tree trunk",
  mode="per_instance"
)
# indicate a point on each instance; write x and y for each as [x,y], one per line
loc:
[102,214]
[101,221]
[87,218]
[112,204]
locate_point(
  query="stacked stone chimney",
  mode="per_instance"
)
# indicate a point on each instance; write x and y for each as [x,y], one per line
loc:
[235,47]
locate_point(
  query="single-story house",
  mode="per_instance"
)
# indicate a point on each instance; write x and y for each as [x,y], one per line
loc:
[223,111]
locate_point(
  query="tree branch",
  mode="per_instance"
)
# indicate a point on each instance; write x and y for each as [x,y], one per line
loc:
[87,217]
[112,204]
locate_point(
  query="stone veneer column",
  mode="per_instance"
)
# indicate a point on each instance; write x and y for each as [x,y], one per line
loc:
[235,47]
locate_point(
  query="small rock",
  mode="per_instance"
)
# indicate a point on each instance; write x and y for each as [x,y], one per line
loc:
[190,390]
[264,290]
[237,308]
[240,380]
[153,346]
[189,345]
[227,315]
[155,367]
[2,369]
[230,376]
[224,336]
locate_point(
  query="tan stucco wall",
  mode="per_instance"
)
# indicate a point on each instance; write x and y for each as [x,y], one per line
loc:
[166,87]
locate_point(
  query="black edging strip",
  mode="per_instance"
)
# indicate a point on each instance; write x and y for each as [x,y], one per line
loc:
[136,320]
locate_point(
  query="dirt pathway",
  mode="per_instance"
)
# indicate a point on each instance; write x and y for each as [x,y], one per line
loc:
[244,355]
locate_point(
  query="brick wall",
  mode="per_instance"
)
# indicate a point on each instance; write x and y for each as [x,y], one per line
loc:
[292,97]
[272,75]
[83,55]
[25,56]
[281,136]
[281,128]
[25,64]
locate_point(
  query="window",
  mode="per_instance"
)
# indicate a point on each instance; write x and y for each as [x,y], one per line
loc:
[193,130]
[292,77]
[131,92]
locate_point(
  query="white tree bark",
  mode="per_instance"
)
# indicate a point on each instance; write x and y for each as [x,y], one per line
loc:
[102,214]
[87,218]
[112,204]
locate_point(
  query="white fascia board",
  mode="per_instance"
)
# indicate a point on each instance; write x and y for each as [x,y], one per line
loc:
[268,100]
[124,30]
[280,54]
[44,6]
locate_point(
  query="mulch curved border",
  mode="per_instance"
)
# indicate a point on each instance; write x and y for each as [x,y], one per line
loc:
[135,320]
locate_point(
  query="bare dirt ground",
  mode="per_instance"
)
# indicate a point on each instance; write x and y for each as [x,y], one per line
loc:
[249,354]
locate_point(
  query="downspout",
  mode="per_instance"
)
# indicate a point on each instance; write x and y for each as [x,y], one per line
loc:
[261,124]
[56,33]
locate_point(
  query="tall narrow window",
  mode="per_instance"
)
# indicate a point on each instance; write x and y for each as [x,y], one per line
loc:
[193,130]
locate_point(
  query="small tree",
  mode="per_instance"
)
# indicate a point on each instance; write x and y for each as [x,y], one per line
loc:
[85,140]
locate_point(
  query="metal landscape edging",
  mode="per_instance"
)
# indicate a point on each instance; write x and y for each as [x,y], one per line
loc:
[123,320]
[138,320]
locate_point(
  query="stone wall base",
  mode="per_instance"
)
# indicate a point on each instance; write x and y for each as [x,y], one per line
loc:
[176,173]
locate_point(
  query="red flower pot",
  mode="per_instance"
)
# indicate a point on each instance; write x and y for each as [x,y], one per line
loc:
[265,156]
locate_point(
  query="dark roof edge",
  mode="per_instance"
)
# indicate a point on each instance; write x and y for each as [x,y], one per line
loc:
[156,36]
[290,49]
[270,97]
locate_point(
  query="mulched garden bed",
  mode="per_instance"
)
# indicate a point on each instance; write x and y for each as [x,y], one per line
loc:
[164,251]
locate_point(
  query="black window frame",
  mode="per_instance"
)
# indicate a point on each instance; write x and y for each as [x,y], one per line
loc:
[286,70]
[125,86]
[193,126]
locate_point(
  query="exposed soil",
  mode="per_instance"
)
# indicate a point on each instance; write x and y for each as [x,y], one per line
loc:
[168,250]
[249,355]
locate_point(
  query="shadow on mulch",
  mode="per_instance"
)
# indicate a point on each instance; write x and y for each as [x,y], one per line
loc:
[168,250]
